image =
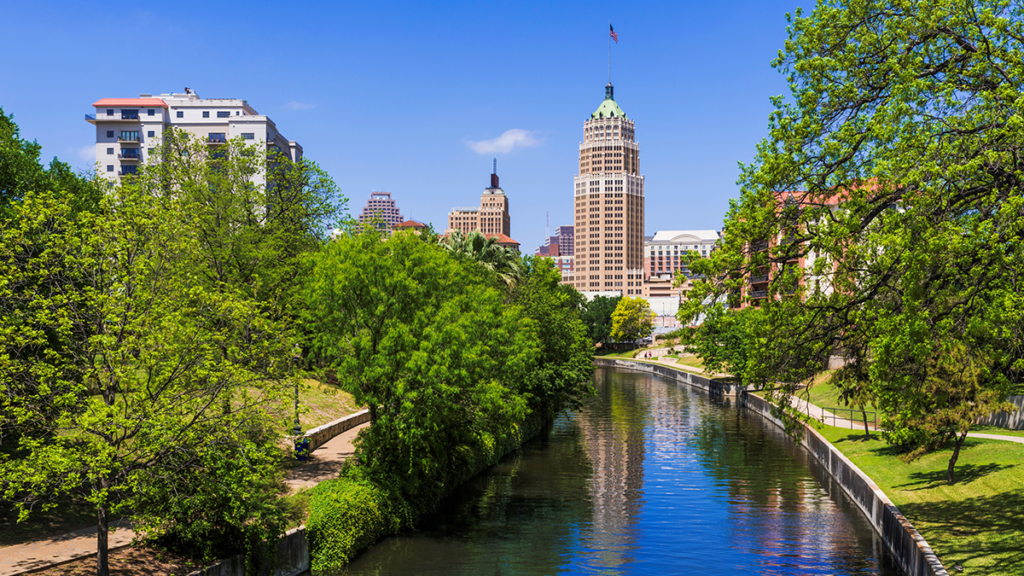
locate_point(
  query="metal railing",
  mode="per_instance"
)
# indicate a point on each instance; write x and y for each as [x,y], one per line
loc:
[758,293]
[755,278]
[856,417]
[759,246]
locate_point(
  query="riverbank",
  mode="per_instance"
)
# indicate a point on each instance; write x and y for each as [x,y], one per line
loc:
[908,547]
[976,523]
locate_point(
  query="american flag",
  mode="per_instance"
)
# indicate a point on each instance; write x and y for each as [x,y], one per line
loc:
[613,34]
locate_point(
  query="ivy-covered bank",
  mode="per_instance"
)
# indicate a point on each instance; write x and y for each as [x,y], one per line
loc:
[460,348]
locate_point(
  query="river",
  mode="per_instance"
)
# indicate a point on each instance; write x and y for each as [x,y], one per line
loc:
[650,477]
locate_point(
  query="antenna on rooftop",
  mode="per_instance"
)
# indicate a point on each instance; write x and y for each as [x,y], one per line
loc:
[547,224]
[495,171]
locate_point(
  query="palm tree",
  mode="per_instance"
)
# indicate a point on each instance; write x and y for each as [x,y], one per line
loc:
[487,252]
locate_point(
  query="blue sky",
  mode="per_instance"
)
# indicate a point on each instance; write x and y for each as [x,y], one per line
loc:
[396,96]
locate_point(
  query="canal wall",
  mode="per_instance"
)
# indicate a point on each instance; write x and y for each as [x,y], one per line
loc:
[906,544]
[292,558]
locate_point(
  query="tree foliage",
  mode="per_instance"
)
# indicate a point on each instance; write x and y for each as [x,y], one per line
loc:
[632,320]
[445,356]
[21,172]
[894,174]
[598,317]
[147,342]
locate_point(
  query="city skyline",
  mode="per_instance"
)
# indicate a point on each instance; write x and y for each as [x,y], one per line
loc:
[697,77]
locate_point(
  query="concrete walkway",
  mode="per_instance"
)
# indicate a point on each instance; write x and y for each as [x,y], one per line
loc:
[324,464]
[45,552]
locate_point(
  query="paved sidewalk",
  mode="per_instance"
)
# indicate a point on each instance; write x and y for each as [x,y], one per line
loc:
[325,462]
[45,552]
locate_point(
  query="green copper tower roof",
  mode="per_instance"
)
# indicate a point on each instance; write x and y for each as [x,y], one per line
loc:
[609,108]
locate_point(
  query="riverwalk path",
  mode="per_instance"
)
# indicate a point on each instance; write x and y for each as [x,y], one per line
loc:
[324,464]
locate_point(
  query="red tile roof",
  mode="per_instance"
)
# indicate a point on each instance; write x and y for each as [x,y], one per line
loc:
[502,239]
[410,224]
[141,102]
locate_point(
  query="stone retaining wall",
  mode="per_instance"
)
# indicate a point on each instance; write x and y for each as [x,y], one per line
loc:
[322,434]
[292,558]
[908,547]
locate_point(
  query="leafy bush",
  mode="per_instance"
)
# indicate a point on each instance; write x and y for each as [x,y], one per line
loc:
[347,515]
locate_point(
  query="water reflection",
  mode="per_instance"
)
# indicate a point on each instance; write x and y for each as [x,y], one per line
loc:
[649,478]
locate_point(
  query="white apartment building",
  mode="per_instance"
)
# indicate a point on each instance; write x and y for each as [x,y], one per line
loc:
[128,128]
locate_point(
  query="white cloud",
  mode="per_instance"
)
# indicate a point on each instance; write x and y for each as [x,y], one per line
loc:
[508,141]
[293,105]
[87,153]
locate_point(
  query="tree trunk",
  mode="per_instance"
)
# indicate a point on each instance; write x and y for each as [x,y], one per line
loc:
[867,432]
[950,473]
[102,564]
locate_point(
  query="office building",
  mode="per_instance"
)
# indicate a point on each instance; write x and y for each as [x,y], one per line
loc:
[609,204]
[381,209]
[491,218]
[664,255]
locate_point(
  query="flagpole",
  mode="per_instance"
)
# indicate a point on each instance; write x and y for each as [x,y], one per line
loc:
[609,53]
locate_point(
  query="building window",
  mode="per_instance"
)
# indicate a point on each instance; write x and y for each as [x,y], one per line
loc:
[110,133]
[110,150]
[110,111]
[110,167]
[125,170]
[150,134]
[206,113]
[151,112]
[180,114]
[248,135]
[217,137]
[129,114]
[223,114]
[130,135]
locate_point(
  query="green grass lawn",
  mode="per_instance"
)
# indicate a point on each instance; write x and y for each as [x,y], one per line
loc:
[319,403]
[978,522]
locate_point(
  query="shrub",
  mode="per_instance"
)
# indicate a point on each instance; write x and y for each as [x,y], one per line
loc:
[348,514]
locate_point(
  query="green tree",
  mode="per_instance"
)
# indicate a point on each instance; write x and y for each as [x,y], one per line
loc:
[22,172]
[632,320]
[598,317]
[425,340]
[893,173]
[253,212]
[135,400]
[560,377]
[504,262]
[727,342]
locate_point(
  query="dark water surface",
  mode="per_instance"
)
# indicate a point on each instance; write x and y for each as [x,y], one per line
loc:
[650,477]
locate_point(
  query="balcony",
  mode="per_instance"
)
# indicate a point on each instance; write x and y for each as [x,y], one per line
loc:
[94,118]
[127,156]
[759,246]
[216,138]
[132,115]
[758,278]
[758,294]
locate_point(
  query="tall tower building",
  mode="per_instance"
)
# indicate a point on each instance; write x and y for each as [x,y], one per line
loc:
[491,218]
[609,204]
